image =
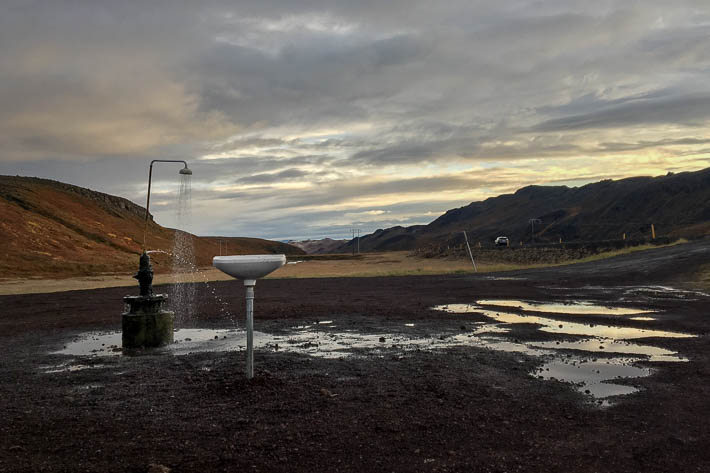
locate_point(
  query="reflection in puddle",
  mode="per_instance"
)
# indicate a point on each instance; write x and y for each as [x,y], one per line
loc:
[589,376]
[491,328]
[641,318]
[308,342]
[592,376]
[325,344]
[571,308]
[613,346]
[635,293]
[69,367]
[567,328]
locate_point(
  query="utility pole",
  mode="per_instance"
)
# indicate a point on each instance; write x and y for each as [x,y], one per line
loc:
[356,231]
[532,222]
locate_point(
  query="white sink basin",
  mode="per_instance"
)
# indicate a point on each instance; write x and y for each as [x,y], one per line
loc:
[248,267]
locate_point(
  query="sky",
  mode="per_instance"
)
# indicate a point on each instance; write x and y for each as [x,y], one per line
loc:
[307,118]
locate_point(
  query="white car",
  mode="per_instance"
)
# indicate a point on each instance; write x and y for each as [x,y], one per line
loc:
[502,241]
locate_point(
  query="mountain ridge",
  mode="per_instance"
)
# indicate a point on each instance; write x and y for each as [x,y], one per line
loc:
[678,205]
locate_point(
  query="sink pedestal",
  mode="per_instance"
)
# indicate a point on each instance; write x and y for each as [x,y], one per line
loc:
[249,268]
[249,284]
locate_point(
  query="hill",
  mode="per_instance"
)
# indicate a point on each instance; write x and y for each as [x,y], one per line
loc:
[316,247]
[52,229]
[677,205]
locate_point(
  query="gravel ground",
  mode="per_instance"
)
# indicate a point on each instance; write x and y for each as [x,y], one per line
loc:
[461,408]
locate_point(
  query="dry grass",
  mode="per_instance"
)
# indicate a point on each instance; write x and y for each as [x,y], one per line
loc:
[396,263]
[399,263]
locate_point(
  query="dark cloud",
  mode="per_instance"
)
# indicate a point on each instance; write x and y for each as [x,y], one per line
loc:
[285,175]
[641,145]
[686,110]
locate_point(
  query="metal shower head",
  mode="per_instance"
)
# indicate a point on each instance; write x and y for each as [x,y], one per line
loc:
[186,170]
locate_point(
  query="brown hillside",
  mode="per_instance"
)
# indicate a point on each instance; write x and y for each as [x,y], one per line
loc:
[51,229]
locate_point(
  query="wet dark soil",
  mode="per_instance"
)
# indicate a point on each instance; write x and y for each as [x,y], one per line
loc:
[458,409]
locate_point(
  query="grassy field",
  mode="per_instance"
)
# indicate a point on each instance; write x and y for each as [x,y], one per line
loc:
[395,263]
[399,263]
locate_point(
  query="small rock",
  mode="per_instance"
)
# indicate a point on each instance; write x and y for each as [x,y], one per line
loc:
[382,339]
[158,468]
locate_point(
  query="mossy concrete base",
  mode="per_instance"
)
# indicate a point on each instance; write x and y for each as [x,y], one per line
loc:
[145,324]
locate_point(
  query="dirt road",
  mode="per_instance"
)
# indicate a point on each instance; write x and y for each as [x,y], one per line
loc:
[431,392]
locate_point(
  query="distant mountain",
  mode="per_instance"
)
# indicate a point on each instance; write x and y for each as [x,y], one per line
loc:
[52,229]
[314,247]
[678,205]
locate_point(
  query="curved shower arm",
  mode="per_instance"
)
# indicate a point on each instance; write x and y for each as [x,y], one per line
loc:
[184,170]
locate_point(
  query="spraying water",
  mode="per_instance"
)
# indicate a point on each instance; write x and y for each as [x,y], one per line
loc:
[183,261]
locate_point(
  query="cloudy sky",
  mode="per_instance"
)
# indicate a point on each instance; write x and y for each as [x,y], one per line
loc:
[305,118]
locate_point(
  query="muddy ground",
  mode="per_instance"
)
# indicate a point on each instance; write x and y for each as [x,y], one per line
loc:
[464,408]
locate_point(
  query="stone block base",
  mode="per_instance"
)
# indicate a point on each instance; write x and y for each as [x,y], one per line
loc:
[146,330]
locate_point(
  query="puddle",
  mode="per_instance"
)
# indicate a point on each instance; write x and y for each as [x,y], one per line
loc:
[564,328]
[593,370]
[571,308]
[594,377]
[641,318]
[491,328]
[69,367]
[503,278]
[311,342]
[602,346]
[663,292]
[331,345]
[308,342]
[634,293]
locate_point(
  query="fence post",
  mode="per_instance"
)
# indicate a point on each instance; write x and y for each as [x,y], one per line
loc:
[469,252]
